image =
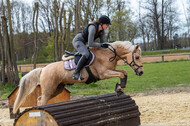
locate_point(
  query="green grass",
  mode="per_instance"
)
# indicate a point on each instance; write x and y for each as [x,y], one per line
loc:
[160,52]
[6,89]
[156,75]
[144,53]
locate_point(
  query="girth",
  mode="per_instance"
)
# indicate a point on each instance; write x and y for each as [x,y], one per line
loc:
[91,77]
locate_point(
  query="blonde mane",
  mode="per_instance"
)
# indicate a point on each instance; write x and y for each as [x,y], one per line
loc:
[124,44]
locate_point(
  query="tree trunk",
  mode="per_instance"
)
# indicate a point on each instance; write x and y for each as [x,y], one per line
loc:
[35,29]
[68,29]
[10,74]
[56,32]
[162,39]
[61,32]
[86,17]
[77,16]
[12,52]
[157,26]
[65,30]
[2,77]
[148,40]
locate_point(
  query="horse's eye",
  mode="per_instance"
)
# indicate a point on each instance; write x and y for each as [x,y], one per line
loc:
[137,57]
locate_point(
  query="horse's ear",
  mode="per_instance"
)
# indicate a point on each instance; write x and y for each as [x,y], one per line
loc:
[137,46]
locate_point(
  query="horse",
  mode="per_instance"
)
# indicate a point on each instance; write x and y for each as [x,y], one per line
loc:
[103,67]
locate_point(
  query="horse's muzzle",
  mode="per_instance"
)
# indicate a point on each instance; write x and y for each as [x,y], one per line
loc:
[139,73]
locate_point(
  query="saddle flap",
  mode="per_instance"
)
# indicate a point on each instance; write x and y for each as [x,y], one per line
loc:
[71,63]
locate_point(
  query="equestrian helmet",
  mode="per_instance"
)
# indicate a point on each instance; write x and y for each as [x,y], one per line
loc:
[104,20]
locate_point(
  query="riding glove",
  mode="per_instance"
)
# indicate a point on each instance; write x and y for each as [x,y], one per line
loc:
[104,45]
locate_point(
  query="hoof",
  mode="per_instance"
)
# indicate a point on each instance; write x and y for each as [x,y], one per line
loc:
[119,93]
[118,90]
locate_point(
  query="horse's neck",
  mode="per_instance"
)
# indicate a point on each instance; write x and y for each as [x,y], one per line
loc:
[122,52]
[102,53]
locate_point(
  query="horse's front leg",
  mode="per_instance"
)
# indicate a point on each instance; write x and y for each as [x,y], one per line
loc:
[123,81]
[117,73]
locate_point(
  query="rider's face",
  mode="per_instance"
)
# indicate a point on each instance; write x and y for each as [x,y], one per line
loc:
[105,26]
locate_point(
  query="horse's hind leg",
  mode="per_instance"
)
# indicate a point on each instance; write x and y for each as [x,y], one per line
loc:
[47,93]
[42,100]
[59,89]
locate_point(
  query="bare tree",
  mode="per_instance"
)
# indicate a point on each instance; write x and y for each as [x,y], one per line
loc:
[61,31]
[8,62]
[35,29]
[109,11]
[142,27]
[2,72]
[86,10]
[162,18]
[12,51]
[45,14]
[68,29]
[55,12]
[187,16]
[77,16]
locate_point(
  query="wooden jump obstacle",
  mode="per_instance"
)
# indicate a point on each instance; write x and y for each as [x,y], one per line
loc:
[100,110]
[31,100]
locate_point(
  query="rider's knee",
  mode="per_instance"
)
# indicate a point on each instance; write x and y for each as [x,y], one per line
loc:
[86,55]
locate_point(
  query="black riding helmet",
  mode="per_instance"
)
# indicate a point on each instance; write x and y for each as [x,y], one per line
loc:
[104,20]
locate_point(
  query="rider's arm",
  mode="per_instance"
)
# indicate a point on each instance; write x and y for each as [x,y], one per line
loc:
[91,34]
[102,40]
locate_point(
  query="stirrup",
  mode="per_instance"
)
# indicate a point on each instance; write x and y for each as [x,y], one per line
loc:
[76,76]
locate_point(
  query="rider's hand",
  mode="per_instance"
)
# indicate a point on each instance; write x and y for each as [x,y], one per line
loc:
[104,45]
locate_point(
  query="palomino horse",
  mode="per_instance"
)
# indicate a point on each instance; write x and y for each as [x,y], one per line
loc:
[102,68]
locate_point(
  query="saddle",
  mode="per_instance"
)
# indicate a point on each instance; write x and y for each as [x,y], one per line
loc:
[71,60]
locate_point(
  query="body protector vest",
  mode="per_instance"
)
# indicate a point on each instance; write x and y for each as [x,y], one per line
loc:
[85,32]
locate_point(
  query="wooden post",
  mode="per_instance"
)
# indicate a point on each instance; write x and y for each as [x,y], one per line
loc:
[162,58]
[19,68]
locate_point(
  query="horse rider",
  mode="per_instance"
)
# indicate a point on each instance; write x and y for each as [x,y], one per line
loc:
[88,35]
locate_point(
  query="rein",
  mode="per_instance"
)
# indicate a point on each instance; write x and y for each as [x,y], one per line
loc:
[130,64]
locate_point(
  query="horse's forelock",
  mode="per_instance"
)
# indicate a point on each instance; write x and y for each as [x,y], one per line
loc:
[126,45]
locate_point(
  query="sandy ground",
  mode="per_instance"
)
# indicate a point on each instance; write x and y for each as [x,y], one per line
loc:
[164,110]
[158,58]
[161,107]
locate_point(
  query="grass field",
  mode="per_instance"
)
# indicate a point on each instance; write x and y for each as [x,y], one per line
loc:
[6,89]
[162,52]
[156,75]
[144,53]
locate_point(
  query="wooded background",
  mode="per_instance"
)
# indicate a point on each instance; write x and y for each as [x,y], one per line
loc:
[43,31]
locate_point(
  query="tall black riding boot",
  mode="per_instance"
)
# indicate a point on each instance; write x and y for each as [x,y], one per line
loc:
[80,65]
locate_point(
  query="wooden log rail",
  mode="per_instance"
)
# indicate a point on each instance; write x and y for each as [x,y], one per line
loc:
[100,110]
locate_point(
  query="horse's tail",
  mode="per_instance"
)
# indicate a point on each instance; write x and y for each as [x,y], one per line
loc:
[26,86]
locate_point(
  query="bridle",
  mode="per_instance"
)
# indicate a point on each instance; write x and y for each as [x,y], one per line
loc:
[130,64]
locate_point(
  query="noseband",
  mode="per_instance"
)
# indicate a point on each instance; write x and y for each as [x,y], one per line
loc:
[130,64]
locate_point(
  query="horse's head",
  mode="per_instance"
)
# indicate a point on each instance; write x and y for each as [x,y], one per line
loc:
[130,54]
[134,60]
